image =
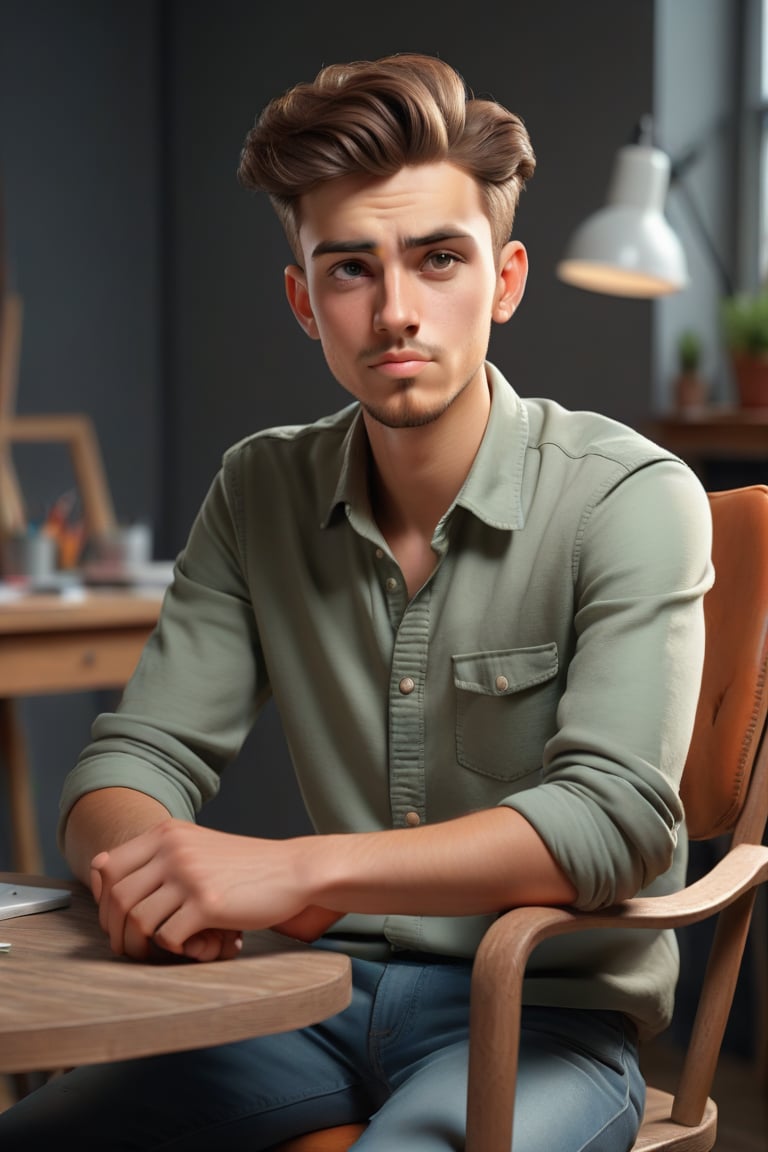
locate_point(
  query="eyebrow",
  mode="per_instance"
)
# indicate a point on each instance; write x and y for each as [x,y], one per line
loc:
[328,247]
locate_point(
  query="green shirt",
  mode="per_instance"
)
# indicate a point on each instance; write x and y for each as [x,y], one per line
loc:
[550,663]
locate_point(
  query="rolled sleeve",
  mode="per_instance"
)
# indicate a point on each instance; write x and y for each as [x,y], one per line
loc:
[197,688]
[608,807]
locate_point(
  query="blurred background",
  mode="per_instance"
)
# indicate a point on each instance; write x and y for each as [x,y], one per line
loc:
[152,282]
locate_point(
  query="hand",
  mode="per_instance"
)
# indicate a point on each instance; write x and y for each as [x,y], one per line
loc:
[211,945]
[309,924]
[192,890]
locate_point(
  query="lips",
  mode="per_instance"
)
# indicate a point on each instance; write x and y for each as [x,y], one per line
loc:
[400,364]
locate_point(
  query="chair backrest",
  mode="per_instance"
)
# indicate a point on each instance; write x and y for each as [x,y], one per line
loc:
[733,700]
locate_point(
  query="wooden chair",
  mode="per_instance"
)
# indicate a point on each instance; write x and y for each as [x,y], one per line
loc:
[725,791]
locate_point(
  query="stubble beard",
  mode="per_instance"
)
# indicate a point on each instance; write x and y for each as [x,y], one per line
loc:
[401,412]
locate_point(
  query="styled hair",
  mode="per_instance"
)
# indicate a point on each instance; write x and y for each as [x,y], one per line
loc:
[377,117]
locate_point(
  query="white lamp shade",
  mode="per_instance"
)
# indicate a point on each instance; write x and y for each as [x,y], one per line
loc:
[628,248]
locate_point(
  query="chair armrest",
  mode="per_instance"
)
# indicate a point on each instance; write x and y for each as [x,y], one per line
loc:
[499,971]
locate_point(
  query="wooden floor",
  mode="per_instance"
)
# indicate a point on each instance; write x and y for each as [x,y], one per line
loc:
[742,1106]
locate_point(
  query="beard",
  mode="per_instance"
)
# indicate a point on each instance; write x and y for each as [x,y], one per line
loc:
[405,411]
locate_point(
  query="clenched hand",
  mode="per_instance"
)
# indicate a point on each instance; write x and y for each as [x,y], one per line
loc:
[192,891]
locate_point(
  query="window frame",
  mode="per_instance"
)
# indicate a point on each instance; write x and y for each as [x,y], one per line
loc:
[752,140]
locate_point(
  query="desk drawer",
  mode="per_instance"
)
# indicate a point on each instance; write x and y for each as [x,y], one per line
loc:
[32,664]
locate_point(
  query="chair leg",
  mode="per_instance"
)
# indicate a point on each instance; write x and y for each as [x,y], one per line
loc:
[712,1014]
[760,968]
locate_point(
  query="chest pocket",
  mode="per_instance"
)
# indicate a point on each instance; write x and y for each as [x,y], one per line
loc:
[505,709]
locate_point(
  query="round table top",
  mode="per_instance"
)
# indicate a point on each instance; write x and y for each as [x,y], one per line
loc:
[67,1000]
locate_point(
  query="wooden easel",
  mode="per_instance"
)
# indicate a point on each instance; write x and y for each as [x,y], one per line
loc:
[77,431]
[74,429]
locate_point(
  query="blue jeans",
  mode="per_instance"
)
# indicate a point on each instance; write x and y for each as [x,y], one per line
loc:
[398,1055]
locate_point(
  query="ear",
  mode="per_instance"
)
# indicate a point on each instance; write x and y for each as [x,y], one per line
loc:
[513,273]
[298,297]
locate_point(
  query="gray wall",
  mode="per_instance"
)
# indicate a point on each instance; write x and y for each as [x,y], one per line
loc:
[79,174]
[79,166]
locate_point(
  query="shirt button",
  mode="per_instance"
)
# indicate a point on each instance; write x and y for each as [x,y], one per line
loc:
[407,685]
[391,584]
[379,554]
[412,819]
[502,683]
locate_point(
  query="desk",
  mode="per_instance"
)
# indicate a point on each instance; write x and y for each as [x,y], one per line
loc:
[714,433]
[73,1002]
[51,644]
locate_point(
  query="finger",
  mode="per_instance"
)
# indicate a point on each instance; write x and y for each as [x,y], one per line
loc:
[118,867]
[139,930]
[213,944]
[136,908]
[232,945]
[203,946]
[181,925]
[96,885]
[126,857]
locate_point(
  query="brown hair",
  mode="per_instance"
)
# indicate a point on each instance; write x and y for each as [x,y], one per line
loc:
[377,117]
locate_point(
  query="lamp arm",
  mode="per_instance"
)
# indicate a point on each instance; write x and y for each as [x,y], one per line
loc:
[678,169]
[724,275]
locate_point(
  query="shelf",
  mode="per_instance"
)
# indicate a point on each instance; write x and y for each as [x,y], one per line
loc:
[713,432]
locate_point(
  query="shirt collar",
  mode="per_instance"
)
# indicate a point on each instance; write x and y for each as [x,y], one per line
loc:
[493,489]
[351,491]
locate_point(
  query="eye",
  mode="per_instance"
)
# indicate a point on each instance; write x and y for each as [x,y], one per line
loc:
[442,261]
[349,270]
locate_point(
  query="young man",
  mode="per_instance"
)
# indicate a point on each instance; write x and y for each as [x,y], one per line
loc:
[481,620]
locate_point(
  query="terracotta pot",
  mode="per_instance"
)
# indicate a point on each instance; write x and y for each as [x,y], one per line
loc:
[751,375]
[691,391]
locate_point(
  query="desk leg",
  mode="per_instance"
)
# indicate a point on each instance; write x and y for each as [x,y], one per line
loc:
[25,845]
[27,856]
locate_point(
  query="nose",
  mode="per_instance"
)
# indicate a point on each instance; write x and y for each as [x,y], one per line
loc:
[396,306]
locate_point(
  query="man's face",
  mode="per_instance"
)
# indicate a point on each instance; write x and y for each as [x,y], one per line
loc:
[400,285]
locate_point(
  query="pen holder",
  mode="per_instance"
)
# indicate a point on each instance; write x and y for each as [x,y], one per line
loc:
[128,547]
[28,555]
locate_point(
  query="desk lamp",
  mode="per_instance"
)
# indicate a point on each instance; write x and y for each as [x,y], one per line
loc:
[628,248]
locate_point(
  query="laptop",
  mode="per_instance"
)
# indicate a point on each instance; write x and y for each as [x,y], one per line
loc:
[21,899]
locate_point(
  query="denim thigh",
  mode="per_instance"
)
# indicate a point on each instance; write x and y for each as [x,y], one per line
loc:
[396,1056]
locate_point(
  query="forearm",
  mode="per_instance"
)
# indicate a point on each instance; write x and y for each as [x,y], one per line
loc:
[480,863]
[179,884]
[103,819]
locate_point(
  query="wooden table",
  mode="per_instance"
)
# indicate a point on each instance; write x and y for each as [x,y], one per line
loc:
[67,1000]
[713,433]
[55,644]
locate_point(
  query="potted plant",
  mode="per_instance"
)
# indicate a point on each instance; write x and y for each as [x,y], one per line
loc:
[690,386]
[745,325]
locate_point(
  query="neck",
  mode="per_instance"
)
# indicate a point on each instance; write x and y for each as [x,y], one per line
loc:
[418,472]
